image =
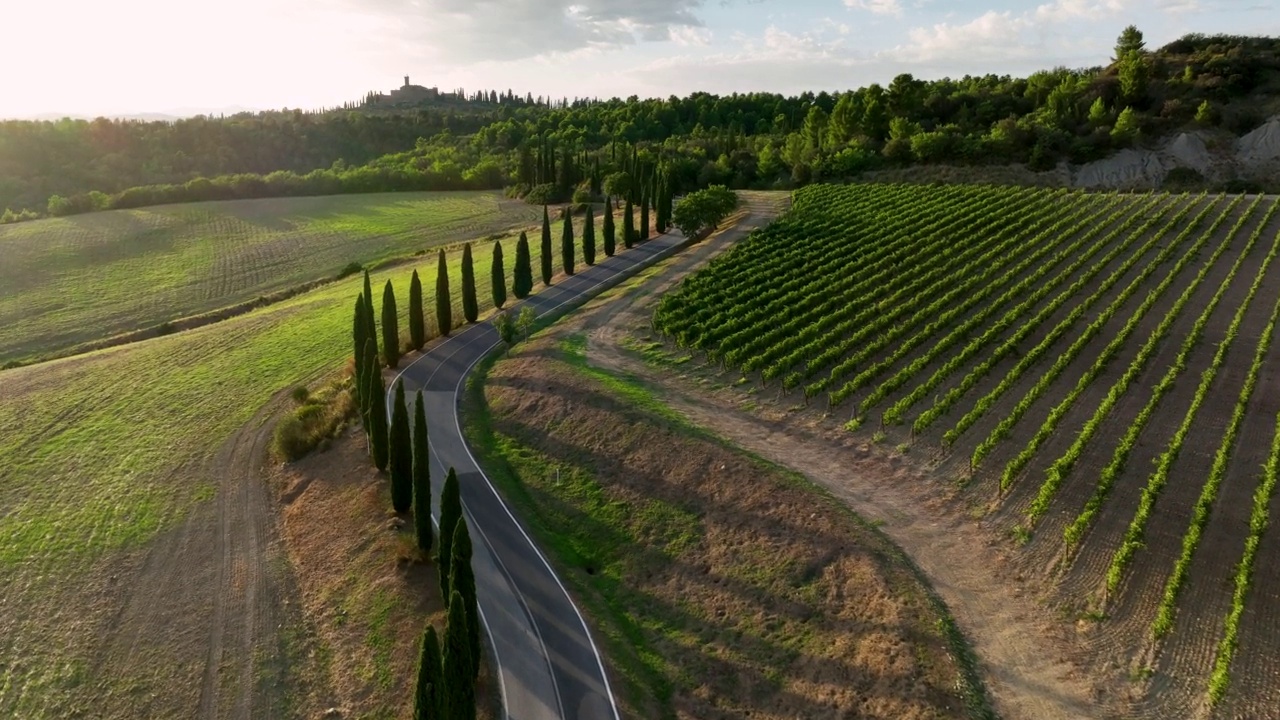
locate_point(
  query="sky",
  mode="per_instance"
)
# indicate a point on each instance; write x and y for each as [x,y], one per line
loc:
[89,58]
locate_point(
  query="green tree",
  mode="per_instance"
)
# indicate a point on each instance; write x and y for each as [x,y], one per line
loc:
[589,238]
[444,303]
[617,185]
[1098,112]
[372,370]
[546,248]
[378,435]
[359,335]
[1126,127]
[1205,114]
[470,306]
[421,477]
[506,327]
[703,209]
[628,225]
[606,228]
[430,686]
[1130,41]
[522,277]
[417,318]
[644,217]
[368,307]
[1133,77]
[566,243]
[390,327]
[450,516]
[459,679]
[400,458]
[498,277]
[463,581]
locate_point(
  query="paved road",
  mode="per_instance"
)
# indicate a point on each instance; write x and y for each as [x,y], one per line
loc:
[548,664]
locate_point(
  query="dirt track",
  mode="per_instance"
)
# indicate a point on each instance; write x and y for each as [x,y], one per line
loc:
[1032,669]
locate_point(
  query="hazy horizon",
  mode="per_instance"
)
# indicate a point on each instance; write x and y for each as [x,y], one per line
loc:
[251,55]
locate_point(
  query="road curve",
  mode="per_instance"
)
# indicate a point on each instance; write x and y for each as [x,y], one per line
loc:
[548,665]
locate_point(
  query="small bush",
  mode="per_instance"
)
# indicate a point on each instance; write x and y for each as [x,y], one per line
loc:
[165,328]
[317,418]
[351,269]
[545,194]
[300,394]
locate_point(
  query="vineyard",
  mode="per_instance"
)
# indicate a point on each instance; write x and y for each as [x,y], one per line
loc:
[1095,372]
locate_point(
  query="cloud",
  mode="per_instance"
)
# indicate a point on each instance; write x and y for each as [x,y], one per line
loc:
[876,7]
[465,31]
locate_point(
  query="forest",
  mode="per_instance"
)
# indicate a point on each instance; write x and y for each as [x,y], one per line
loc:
[752,140]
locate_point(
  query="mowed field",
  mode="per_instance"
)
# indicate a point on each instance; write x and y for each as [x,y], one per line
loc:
[69,281]
[104,458]
[1097,373]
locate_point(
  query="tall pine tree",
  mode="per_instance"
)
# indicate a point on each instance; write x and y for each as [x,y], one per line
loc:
[450,516]
[498,277]
[421,477]
[430,686]
[444,303]
[372,371]
[379,439]
[417,318]
[470,306]
[606,228]
[628,225]
[400,460]
[369,324]
[589,239]
[459,678]
[463,581]
[644,217]
[522,282]
[390,327]
[547,271]
[566,243]
[359,335]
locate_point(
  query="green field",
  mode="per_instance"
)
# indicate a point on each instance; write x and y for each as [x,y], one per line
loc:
[74,280]
[101,452]
[1097,370]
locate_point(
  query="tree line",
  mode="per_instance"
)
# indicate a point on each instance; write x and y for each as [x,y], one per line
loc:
[398,445]
[740,140]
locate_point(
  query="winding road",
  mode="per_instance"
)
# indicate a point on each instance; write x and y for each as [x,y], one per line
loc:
[547,662]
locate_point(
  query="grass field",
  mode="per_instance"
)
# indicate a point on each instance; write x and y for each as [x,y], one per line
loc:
[101,452]
[69,281]
[1097,372]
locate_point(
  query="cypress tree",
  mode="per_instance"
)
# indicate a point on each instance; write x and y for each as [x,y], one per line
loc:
[589,238]
[459,679]
[372,370]
[390,327]
[378,435]
[628,225]
[522,282]
[463,580]
[644,217]
[358,335]
[450,516]
[444,303]
[417,319]
[546,247]
[607,227]
[498,277]
[566,243]
[421,477]
[400,462]
[369,325]
[470,307]
[426,700]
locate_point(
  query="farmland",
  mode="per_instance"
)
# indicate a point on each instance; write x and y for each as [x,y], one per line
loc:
[1095,374]
[108,460]
[69,281]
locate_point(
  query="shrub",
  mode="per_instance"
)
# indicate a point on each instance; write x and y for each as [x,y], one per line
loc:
[545,194]
[351,269]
